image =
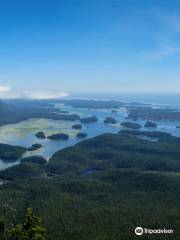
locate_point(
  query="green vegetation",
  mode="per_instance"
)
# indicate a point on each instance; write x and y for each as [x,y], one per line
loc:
[150,124]
[30,229]
[110,120]
[59,136]
[62,111]
[114,111]
[40,135]
[100,189]
[29,167]
[14,113]
[77,126]
[92,104]
[131,125]
[11,153]
[117,151]
[34,147]
[67,117]
[152,134]
[150,113]
[34,159]
[81,135]
[89,119]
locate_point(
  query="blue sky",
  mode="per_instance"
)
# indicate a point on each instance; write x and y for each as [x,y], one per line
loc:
[58,47]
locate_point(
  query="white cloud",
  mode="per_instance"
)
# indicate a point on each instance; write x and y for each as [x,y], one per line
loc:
[5,88]
[45,94]
[7,92]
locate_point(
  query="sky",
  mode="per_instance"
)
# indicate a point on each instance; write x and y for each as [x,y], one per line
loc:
[56,48]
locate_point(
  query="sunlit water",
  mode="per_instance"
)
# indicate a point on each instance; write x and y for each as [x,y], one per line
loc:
[23,133]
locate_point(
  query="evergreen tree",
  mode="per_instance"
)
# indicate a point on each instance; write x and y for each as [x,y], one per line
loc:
[31,229]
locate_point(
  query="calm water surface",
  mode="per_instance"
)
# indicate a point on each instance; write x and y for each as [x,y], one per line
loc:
[23,133]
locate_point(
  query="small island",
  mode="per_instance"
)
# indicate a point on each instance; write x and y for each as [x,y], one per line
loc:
[131,125]
[62,111]
[68,117]
[77,126]
[114,111]
[110,120]
[92,104]
[89,119]
[59,136]
[40,135]
[81,135]
[34,147]
[150,125]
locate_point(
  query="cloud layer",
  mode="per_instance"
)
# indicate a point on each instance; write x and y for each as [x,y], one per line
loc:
[4,88]
[7,92]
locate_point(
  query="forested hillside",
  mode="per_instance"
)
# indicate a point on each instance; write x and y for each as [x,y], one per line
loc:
[99,189]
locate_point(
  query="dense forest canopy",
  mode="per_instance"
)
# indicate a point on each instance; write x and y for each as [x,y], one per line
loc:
[101,188]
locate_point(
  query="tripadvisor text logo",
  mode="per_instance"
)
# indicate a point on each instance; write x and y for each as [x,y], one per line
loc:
[139,231]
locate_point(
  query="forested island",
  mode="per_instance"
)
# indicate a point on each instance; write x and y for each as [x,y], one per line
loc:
[92,104]
[114,111]
[149,124]
[16,111]
[40,135]
[34,147]
[149,113]
[131,125]
[11,113]
[77,126]
[81,135]
[59,136]
[89,119]
[110,120]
